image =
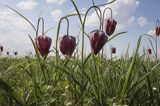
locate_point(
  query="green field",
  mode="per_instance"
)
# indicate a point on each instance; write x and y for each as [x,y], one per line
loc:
[99,81]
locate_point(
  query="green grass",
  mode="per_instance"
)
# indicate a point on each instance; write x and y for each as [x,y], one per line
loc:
[102,82]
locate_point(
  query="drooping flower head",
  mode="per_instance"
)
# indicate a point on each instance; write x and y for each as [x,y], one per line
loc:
[109,23]
[110,26]
[67,44]
[42,42]
[98,39]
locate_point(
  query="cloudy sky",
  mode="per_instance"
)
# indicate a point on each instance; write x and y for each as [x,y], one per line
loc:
[135,16]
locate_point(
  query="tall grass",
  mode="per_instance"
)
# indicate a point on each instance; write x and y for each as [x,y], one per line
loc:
[104,83]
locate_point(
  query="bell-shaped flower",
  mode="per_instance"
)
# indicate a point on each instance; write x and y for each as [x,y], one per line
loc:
[98,39]
[43,43]
[109,26]
[67,44]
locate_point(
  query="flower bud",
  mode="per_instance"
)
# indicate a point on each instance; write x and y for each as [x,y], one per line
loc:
[97,40]
[43,44]
[109,26]
[67,44]
[113,50]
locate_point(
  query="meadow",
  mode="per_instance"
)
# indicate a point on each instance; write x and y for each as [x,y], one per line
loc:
[77,79]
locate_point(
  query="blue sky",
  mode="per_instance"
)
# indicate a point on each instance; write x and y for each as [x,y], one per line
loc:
[135,16]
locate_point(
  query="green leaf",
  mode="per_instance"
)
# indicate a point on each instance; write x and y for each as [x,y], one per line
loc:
[120,33]
[22,17]
[130,70]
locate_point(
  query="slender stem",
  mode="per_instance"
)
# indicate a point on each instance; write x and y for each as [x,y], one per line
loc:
[157,23]
[101,5]
[156,48]
[38,26]
[103,21]
[104,14]
[77,11]
[22,17]
[58,30]
[83,32]
[155,39]
[67,25]
[95,8]
[83,26]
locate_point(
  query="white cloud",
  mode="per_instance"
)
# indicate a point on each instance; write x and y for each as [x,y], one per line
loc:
[56,14]
[122,12]
[56,1]
[142,21]
[131,20]
[27,4]
[9,19]
[13,32]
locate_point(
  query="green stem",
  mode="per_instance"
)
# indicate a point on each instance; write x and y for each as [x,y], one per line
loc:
[83,32]
[77,11]
[129,72]
[22,17]
[104,14]
[156,48]
[58,30]
[38,26]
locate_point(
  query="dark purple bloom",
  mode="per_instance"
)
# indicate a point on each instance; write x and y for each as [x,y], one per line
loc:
[109,26]
[97,40]
[43,44]
[149,51]
[113,50]
[67,44]
[158,31]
